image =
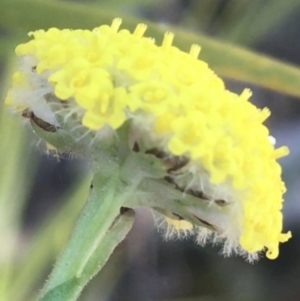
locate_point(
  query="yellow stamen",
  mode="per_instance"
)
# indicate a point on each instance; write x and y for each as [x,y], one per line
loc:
[140,30]
[281,152]
[168,39]
[116,23]
[194,51]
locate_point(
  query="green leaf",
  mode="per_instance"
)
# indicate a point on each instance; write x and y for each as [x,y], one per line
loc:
[112,4]
[268,14]
[17,170]
[227,60]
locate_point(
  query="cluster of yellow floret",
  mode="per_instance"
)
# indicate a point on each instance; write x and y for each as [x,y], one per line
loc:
[110,72]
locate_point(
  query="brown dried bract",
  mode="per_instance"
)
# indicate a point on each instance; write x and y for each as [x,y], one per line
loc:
[172,163]
[48,127]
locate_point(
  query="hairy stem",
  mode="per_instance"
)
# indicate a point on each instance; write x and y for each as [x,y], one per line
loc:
[93,239]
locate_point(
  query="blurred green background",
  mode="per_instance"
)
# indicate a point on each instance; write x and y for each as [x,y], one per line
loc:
[41,194]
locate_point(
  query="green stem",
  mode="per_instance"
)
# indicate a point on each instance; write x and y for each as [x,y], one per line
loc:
[112,238]
[88,244]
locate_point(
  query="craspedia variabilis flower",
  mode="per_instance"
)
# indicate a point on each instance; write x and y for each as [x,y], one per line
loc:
[179,110]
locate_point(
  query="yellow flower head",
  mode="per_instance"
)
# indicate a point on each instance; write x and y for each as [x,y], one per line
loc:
[177,107]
